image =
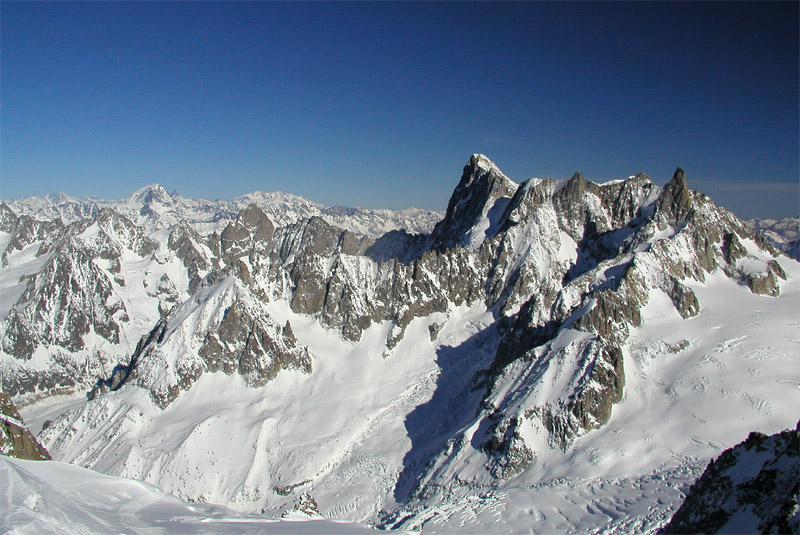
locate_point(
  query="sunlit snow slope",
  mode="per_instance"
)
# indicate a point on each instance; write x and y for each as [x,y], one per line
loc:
[48,497]
[345,433]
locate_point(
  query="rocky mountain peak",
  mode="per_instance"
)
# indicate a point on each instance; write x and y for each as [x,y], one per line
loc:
[223,327]
[519,324]
[8,219]
[574,189]
[480,190]
[150,199]
[783,234]
[675,202]
[254,217]
[481,160]
[150,193]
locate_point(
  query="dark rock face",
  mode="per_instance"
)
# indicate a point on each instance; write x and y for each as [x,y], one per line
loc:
[15,439]
[732,248]
[250,233]
[193,250]
[316,237]
[8,219]
[750,488]
[480,187]
[675,202]
[766,283]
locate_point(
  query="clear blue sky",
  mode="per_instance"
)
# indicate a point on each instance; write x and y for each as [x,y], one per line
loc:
[381,104]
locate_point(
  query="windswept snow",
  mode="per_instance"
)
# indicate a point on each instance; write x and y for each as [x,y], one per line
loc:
[706,382]
[341,433]
[49,497]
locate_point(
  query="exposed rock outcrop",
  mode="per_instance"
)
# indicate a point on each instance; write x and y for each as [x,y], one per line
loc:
[15,439]
[783,234]
[222,328]
[479,192]
[750,488]
[69,297]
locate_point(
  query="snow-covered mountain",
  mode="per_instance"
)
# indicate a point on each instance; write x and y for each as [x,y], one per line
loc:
[782,233]
[153,208]
[554,355]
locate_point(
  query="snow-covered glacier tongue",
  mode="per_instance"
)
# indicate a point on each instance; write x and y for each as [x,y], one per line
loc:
[554,355]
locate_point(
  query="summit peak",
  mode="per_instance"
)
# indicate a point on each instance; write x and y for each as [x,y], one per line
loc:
[481,185]
[482,161]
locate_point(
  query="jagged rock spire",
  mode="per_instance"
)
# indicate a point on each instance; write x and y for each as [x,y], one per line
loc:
[675,202]
[481,184]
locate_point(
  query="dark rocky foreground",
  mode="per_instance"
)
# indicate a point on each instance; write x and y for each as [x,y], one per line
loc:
[15,439]
[753,487]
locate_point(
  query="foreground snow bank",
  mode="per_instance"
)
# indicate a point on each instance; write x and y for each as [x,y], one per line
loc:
[41,497]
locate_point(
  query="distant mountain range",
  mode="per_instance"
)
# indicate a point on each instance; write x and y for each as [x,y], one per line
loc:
[153,207]
[782,233]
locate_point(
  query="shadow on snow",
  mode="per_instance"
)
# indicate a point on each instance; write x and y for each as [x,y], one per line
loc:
[453,406]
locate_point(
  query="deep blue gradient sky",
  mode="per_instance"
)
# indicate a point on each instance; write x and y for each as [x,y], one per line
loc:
[381,104]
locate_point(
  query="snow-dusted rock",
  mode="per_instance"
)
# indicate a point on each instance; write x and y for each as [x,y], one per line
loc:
[15,438]
[491,356]
[784,233]
[222,327]
[154,208]
[750,488]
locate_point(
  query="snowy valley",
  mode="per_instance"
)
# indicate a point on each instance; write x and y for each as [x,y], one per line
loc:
[545,356]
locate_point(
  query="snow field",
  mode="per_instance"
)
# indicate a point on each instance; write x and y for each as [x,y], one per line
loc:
[48,497]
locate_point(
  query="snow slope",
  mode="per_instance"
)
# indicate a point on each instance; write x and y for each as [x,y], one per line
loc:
[690,394]
[338,433]
[48,497]
[75,300]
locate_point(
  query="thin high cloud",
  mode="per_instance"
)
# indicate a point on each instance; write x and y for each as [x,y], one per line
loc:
[766,187]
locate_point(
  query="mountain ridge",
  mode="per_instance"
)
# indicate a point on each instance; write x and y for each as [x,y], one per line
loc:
[526,311]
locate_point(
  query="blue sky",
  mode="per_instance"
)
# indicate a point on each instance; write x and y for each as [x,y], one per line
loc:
[381,104]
